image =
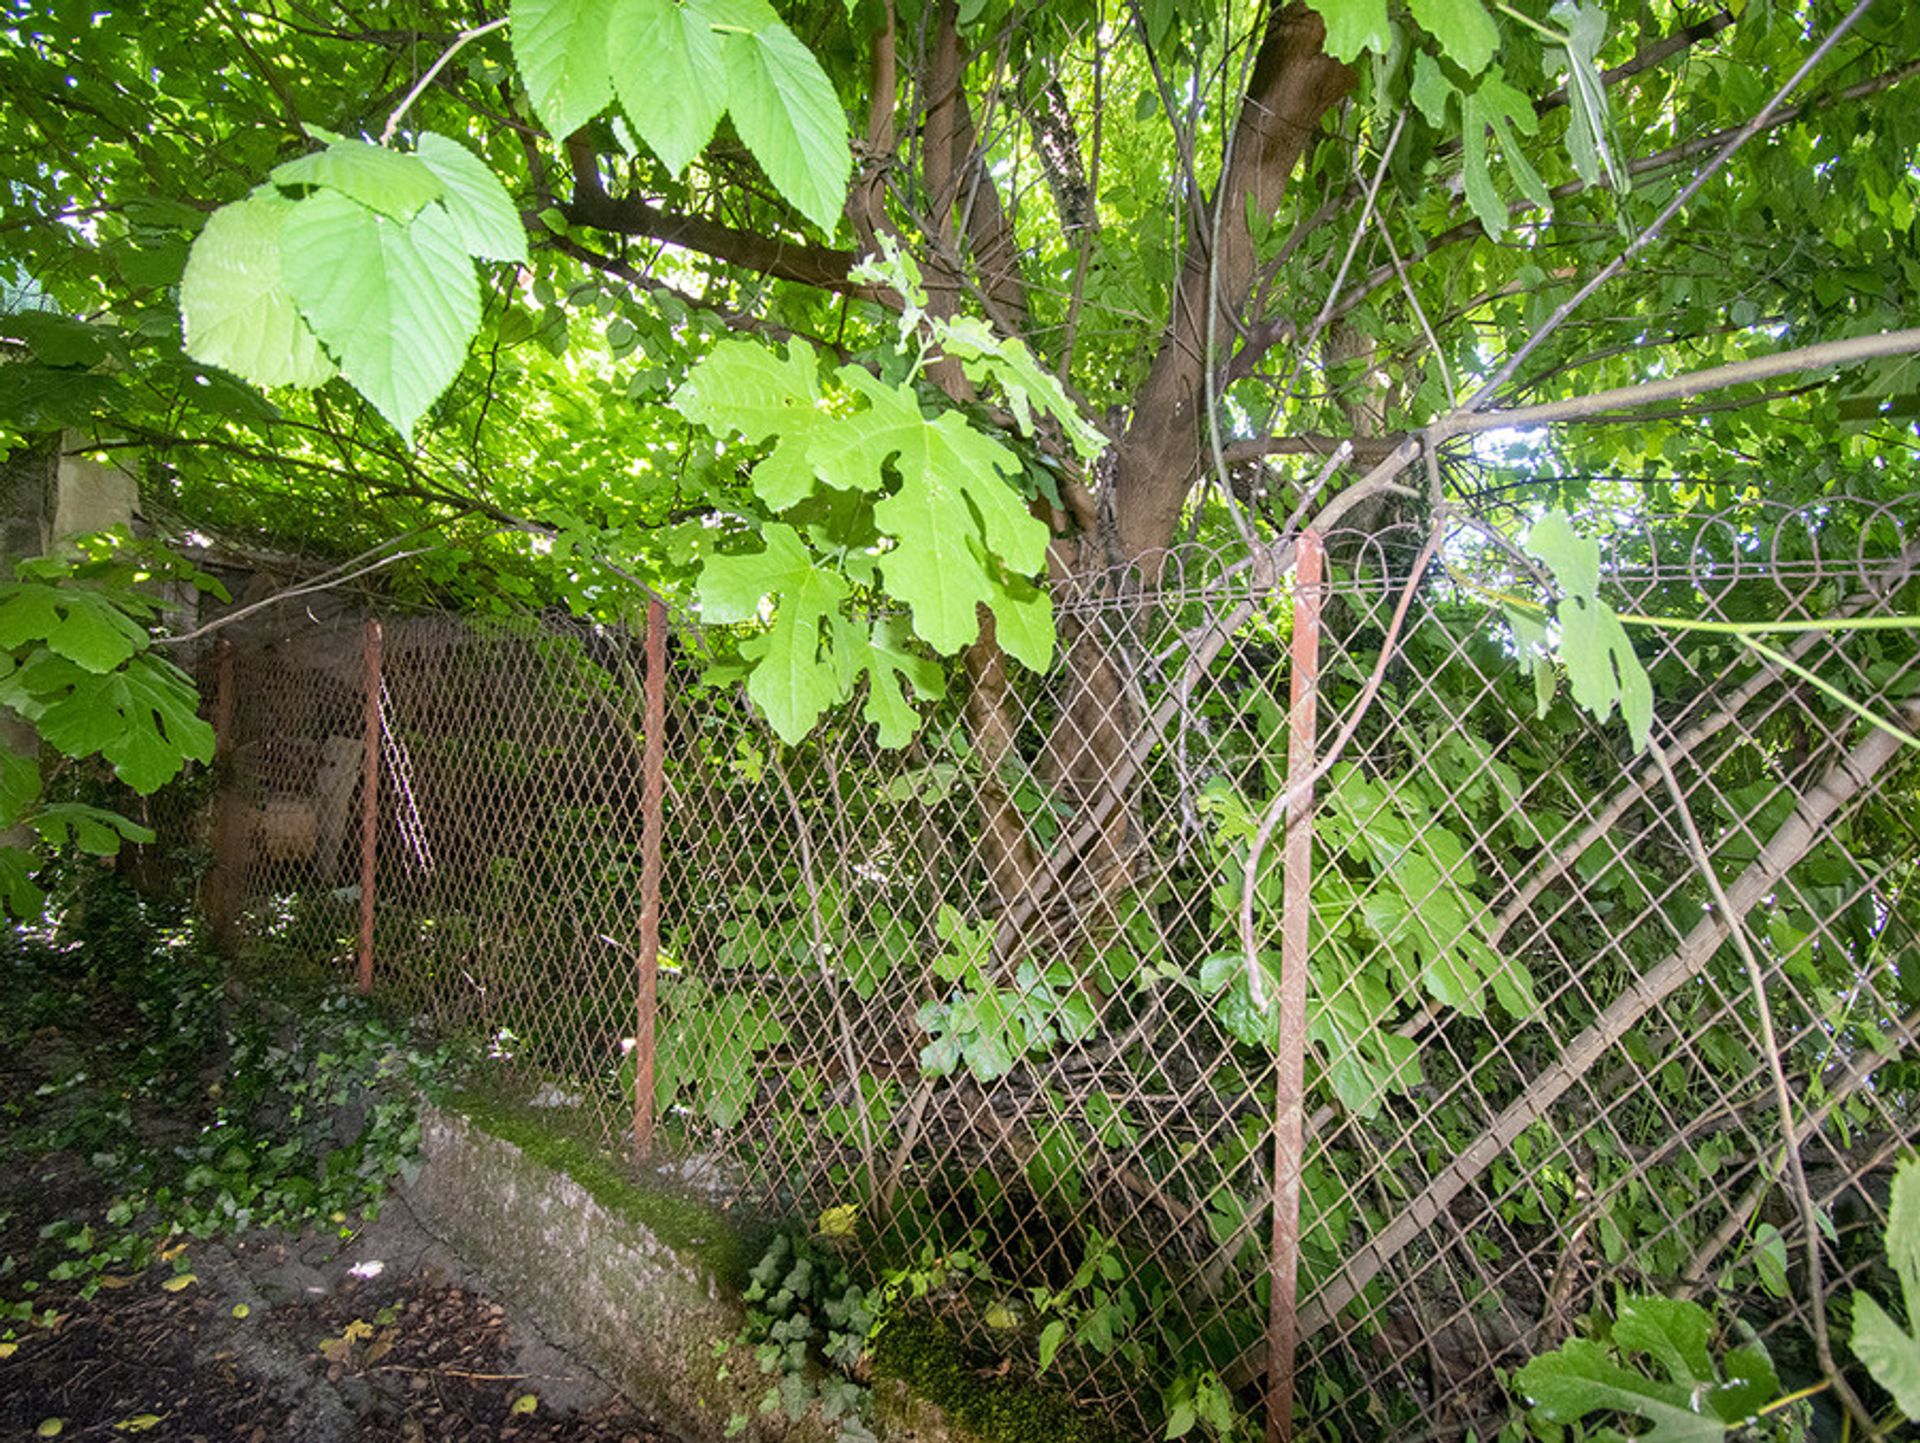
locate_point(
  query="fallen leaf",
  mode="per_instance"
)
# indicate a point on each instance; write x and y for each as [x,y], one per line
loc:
[178,1281]
[167,1255]
[7,1350]
[525,1403]
[139,1423]
[114,1280]
[240,1310]
[51,1427]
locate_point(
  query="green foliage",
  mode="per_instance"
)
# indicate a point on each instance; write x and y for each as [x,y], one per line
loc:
[946,535]
[1602,669]
[807,1325]
[288,1110]
[1891,1352]
[1690,1399]
[355,256]
[988,1027]
[677,66]
[1200,1399]
[77,663]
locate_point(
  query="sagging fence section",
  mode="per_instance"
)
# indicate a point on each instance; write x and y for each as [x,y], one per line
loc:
[988,982]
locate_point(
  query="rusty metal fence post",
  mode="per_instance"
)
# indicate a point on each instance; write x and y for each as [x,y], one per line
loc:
[1289,1089]
[652,797]
[369,800]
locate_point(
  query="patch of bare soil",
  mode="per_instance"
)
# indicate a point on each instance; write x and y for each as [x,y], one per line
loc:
[275,1338]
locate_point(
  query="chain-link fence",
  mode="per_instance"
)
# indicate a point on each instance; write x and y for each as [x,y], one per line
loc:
[990,986]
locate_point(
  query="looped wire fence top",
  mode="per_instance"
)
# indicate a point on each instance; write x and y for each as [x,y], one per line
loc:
[988,987]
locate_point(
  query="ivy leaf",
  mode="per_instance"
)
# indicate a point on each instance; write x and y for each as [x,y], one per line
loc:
[784,108]
[482,212]
[1467,35]
[669,74]
[382,180]
[800,666]
[397,304]
[1355,25]
[561,50]
[235,309]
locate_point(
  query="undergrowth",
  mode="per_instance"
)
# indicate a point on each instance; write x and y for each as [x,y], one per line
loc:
[154,1098]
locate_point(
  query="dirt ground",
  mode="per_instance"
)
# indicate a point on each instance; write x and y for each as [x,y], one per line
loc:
[382,1334]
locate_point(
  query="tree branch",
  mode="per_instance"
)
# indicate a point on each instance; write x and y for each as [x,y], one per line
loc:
[799,261]
[1293,85]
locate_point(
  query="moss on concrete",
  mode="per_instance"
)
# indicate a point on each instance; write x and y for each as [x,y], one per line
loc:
[921,1358]
[684,1223]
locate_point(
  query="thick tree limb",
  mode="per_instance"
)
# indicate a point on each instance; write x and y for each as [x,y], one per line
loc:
[770,255]
[1293,86]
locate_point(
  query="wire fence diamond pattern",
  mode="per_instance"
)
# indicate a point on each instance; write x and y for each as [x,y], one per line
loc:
[989,987]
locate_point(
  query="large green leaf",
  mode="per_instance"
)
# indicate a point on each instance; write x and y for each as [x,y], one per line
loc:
[1467,35]
[385,180]
[898,676]
[482,212]
[954,507]
[93,830]
[801,663]
[397,304]
[670,75]
[1354,26]
[745,387]
[144,720]
[784,108]
[82,626]
[19,785]
[1696,1402]
[1891,1352]
[561,49]
[17,890]
[1602,668]
[235,308]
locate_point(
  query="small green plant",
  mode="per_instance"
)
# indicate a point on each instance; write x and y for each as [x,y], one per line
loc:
[808,1323]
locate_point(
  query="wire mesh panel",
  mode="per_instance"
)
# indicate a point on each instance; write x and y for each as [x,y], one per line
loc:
[1581,1017]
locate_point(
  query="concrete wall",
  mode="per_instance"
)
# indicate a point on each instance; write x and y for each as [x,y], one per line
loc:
[643,1310]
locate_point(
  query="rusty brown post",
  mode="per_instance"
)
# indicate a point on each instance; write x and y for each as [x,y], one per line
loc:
[223,877]
[1289,1099]
[369,800]
[652,798]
